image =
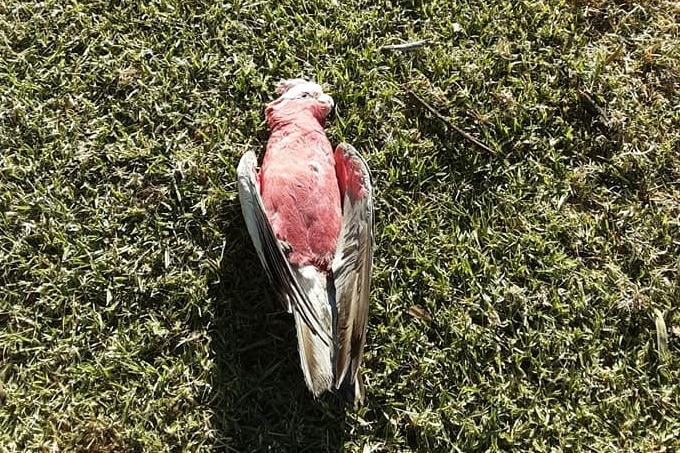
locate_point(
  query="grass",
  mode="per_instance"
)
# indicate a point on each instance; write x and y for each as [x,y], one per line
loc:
[515,295]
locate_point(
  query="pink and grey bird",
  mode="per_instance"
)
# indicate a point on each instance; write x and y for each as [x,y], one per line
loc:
[309,213]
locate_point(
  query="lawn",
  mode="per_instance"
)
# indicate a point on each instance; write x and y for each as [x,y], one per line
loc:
[525,298]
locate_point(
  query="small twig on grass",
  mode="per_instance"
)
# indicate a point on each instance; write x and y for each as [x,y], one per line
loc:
[449,123]
[593,107]
[406,47]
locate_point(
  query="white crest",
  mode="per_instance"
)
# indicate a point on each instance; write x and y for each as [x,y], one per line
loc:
[295,88]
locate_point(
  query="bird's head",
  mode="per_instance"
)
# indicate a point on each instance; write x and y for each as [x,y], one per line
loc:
[297,97]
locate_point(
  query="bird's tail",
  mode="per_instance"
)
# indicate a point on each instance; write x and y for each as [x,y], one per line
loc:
[315,351]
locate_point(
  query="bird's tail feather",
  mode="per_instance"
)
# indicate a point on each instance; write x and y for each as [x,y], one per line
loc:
[315,353]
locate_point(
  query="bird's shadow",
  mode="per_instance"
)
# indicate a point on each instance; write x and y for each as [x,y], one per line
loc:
[260,401]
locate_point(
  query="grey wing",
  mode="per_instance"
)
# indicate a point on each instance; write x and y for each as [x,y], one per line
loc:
[269,249]
[352,267]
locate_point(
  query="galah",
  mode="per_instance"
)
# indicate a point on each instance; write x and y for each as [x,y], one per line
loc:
[309,213]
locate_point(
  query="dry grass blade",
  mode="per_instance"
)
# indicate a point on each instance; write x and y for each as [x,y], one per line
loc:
[405,47]
[661,336]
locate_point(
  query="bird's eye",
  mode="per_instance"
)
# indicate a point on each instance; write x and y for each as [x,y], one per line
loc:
[305,95]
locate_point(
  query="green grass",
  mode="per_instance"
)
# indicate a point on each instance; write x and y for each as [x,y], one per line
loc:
[515,292]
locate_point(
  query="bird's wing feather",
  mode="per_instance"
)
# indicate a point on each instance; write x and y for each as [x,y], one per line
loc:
[352,266]
[270,252]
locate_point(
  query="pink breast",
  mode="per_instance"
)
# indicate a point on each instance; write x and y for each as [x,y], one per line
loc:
[302,199]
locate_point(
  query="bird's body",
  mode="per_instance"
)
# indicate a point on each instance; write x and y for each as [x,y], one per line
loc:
[309,213]
[301,194]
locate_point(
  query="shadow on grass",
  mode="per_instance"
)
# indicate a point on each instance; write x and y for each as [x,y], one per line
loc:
[260,402]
